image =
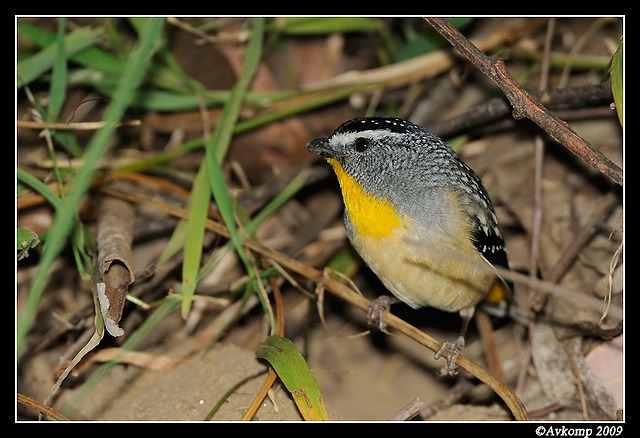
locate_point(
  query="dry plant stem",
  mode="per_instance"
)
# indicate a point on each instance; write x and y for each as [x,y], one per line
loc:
[408,411]
[77,126]
[255,404]
[579,44]
[346,293]
[612,267]
[271,377]
[462,387]
[485,328]
[579,385]
[49,412]
[604,206]
[524,105]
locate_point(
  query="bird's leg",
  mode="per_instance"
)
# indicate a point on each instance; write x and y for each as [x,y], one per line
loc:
[453,348]
[375,313]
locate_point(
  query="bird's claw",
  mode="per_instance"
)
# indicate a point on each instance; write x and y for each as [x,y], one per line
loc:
[375,313]
[452,349]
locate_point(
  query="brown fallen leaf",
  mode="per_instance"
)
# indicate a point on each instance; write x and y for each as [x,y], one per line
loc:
[141,359]
[115,235]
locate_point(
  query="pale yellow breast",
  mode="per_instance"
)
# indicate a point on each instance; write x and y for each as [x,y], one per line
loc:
[420,274]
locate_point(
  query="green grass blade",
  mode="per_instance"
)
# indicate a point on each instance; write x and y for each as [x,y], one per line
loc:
[294,372]
[63,221]
[252,225]
[27,179]
[57,96]
[31,68]
[59,81]
[102,71]
[224,130]
[617,81]
[92,57]
[198,206]
[283,196]
[175,243]
[58,88]
[324,25]
[216,149]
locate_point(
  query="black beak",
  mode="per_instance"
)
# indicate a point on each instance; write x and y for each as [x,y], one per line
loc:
[320,147]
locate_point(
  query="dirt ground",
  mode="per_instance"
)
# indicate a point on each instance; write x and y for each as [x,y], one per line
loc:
[566,363]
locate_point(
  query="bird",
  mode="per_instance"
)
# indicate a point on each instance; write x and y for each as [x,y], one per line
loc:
[419,217]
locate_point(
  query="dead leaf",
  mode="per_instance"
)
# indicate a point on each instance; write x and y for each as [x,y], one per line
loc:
[115,235]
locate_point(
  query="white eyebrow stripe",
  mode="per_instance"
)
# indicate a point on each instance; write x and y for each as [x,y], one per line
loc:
[374,134]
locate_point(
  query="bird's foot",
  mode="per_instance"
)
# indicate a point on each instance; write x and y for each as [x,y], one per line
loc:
[376,311]
[450,351]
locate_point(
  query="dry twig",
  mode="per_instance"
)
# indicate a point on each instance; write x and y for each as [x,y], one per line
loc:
[525,105]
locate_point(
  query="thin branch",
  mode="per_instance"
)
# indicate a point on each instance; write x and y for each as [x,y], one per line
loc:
[48,411]
[525,105]
[497,108]
[408,411]
[77,126]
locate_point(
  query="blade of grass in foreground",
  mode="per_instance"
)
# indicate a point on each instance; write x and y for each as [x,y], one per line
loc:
[216,149]
[294,372]
[92,56]
[30,69]
[58,87]
[131,78]
[198,206]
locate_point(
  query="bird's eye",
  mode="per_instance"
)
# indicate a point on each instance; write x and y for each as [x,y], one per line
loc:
[361,144]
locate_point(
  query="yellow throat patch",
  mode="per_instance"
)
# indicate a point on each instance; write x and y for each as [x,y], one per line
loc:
[369,215]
